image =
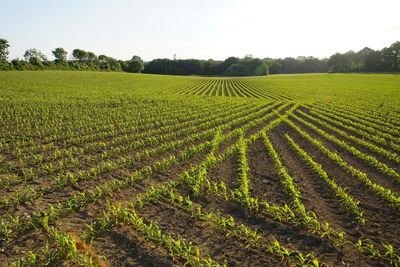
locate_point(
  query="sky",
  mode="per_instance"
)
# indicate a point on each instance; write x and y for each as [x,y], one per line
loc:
[201,29]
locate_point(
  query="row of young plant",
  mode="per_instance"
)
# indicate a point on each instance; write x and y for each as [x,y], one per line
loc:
[125,161]
[74,249]
[199,174]
[196,179]
[374,135]
[385,193]
[67,247]
[14,226]
[63,121]
[17,225]
[248,236]
[256,90]
[365,246]
[355,122]
[371,160]
[211,185]
[346,199]
[360,120]
[70,178]
[148,134]
[184,87]
[79,201]
[285,214]
[27,173]
[386,113]
[309,217]
[226,84]
[383,116]
[166,119]
[370,146]
[275,94]
[198,87]
[225,87]
[165,133]
[60,181]
[116,164]
[370,115]
[137,124]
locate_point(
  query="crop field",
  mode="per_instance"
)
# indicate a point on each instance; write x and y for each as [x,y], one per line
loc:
[113,169]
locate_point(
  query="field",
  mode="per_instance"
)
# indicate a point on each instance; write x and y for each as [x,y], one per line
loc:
[113,169]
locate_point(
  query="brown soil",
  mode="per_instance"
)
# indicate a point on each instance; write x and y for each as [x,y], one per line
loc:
[208,238]
[382,221]
[265,183]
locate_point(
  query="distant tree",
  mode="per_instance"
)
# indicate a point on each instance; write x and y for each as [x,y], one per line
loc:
[210,67]
[4,49]
[104,62]
[221,68]
[60,54]
[337,63]
[390,57]
[35,57]
[79,54]
[123,64]
[237,70]
[135,65]
[19,64]
[109,63]
[92,60]
[4,65]
[371,61]
[247,66]
[365,58]
[114,64]
[275,66]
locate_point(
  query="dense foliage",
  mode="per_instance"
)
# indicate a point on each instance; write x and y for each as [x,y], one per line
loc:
[80,60]
[232,66]
[365,60]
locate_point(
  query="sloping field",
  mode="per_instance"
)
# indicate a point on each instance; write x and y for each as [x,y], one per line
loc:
[112,169]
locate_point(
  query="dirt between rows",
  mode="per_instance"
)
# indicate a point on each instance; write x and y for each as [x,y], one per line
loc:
[124,246]
[383,221]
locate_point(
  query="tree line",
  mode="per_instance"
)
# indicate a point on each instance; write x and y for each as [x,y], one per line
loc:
[232,66]
[365,60]
[79,59]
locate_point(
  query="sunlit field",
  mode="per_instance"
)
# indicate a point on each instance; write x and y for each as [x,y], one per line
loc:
[118,169]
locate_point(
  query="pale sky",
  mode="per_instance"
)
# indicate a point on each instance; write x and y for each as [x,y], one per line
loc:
[199,29]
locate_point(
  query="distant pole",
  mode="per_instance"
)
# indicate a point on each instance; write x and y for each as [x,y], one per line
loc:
[174,56]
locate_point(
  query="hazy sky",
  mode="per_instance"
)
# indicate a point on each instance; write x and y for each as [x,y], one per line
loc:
[199,29]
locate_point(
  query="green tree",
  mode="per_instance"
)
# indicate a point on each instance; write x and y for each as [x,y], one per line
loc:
[4,65]
[92,60]
[114,64]
[109,63]
[104,62]
[123,64]
[60,54]
[135,65]
[35,57]
[390,57]
[79,54]
[19,64]
[4,49]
